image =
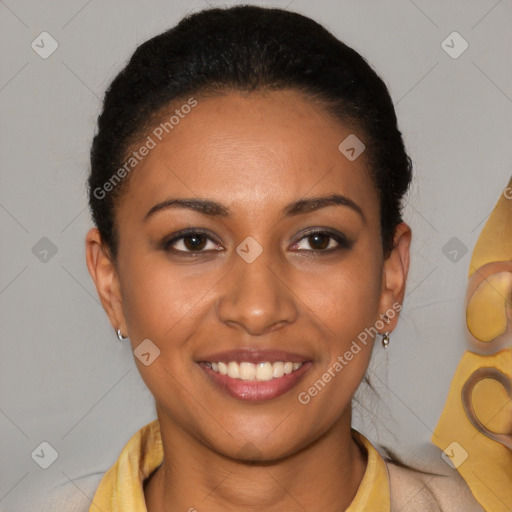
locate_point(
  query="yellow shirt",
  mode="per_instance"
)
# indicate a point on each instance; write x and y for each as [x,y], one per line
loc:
[121,488]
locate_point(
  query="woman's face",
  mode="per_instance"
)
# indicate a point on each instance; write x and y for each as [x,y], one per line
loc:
[253,286]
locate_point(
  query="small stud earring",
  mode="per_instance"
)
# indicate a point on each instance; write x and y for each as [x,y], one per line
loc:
[120,335]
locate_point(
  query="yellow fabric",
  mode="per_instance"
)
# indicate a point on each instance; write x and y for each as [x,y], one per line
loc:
[490,303]
[484,463]
[121,488]
[488,467]
[495,240]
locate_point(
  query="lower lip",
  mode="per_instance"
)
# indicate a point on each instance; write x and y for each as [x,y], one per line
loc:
[256,391]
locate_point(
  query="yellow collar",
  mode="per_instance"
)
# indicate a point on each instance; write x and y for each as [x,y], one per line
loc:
[121,488]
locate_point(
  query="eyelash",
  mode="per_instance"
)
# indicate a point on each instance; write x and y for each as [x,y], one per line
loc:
[343,242]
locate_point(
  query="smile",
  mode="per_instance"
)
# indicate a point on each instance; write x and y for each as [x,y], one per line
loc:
[253,376]
[260,372]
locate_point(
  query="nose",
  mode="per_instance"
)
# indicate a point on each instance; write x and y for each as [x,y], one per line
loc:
[255,297]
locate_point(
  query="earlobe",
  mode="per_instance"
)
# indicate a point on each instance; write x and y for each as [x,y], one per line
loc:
[395,270]
[104,274]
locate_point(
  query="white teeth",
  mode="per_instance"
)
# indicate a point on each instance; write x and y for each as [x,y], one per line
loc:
[247,371]
[278,369]
[264,371]
[288,368]
[223,368]
[233,370]
[254,372]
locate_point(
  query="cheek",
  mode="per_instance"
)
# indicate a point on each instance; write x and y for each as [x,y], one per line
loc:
[345,297]
[159,297]
[162,303]
[345,309]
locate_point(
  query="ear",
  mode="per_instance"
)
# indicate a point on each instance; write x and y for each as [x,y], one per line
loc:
[394,274]
[105,276]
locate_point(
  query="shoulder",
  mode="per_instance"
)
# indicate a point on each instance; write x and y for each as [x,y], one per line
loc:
[420,492]
[71,496]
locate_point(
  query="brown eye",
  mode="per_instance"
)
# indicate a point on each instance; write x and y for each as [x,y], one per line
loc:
[323,242]
[191,241]
[194,242]
[319,241]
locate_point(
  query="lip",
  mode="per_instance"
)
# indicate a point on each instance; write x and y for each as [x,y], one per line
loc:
[253,356]
[256,391]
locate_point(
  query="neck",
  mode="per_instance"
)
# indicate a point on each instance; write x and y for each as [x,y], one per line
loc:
[192,477]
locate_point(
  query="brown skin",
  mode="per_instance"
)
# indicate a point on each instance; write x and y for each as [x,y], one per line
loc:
[255,154]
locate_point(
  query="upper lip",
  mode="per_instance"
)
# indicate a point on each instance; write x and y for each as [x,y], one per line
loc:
[258,355]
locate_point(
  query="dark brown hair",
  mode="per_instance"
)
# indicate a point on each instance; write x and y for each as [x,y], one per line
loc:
[247,48]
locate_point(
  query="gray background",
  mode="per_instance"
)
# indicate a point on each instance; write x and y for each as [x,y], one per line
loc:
[65,378]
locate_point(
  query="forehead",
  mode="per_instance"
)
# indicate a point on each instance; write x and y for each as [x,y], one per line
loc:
[255,151]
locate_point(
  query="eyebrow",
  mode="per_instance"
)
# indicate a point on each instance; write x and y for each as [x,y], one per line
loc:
[299,207]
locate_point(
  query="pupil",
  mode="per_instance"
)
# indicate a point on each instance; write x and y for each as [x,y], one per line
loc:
[198,242]
[314,241]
